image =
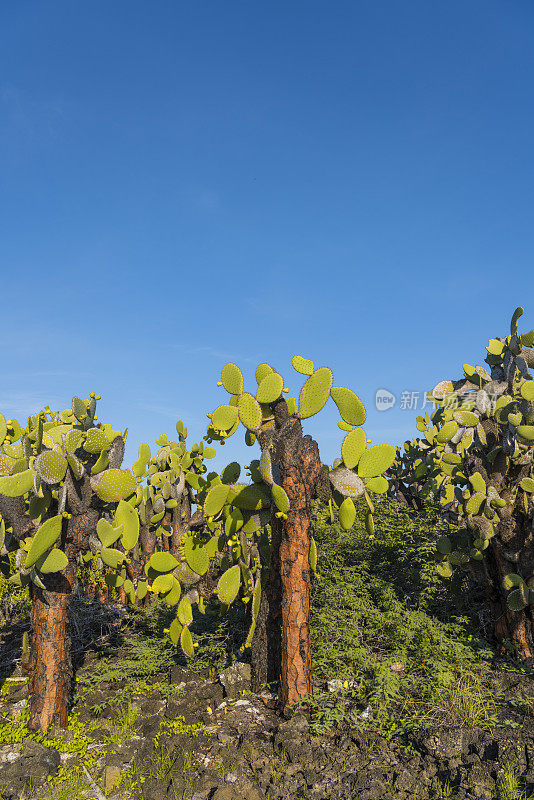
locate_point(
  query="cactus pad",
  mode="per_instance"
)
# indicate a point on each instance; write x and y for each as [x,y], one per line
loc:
[302,365]
[350,407]
[265,467]
[376,460]
[17,485]
[231,473]
[46,535]
[280,498]
[95,441]
[112,557]
[378,485]
[261,371]
[54,561]
[163,562]
[224,417]
[353,447]
[228,585]
[232,378]
[127,517]
[51,466]
[347,514]
[249,411]
[114,485]
[107,534]
[270,388]
[524,431]
[215,499]
[315,392]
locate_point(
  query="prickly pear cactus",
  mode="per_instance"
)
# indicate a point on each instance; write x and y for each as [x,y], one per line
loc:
[60,465]
[476,459]
[268,521]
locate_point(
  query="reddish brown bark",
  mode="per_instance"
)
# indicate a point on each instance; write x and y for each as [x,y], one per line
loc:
[50,658]
[286,608]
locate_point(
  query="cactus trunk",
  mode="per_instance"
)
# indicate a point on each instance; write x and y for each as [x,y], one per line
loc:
[50,659]
[50,655]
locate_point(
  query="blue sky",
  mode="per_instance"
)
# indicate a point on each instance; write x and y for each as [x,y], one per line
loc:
[184,184]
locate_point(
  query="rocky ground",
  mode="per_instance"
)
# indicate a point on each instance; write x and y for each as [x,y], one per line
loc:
[185,736]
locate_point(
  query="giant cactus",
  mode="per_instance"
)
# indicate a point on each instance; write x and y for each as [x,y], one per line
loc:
[58,476]
[476,459]
[267,524]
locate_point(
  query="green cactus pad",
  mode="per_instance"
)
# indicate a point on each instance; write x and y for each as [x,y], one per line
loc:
[346,482]
[185,611]
[231,473]
[376,460]
[518,599]
[527,391]
[444,545]
[466,418]
[280,498]
[17,485]
[44,538]
[302,365]
[444,569]
[186,643]
[173,595]
[6,462]
[54,561]
[79,409]
[270,388]
[353,447]
[51,466]
[76,466]
[127,517]
[313,554]
[265,467]
[442,389]
[234,523]
[315,392]
[349,405]
[163,562]
[3,428]
[249,411]
[515,419]
[107,534]
[527,484]
[141,590]
[378,485]
[215,499]
[96,441]
[446,433]
[101,463]
[261,371]
[175,631]
[474,503]
[525,431]
[114,485]
[196,556]
[251,498]
[228,585]
[112,557]
[73,440]
[163,583]
[511,580]
[347,514]
[478,483]
[369,523]
[232,378]
[224,417]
